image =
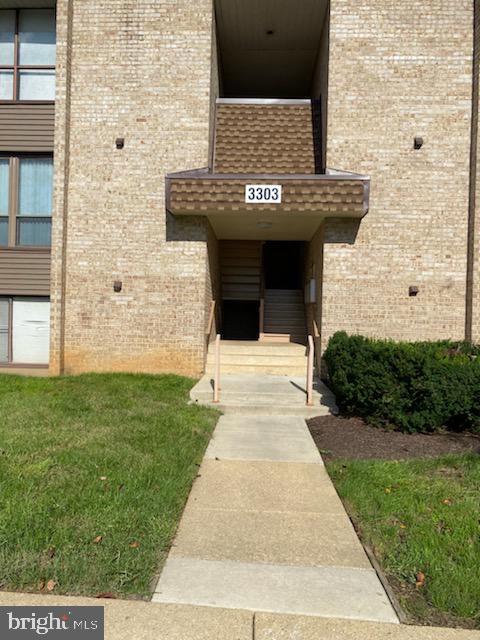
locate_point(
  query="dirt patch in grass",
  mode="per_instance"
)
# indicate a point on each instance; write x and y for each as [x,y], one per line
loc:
[352,438]
[418,610]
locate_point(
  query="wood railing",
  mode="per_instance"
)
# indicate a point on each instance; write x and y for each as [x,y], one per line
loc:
[312,328]
[310,367]
[216,371]
[261,311]
[211,322]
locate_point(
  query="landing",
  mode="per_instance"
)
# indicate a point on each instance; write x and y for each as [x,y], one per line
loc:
[265,395]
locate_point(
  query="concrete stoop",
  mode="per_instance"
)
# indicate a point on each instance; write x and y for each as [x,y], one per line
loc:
[265,394]
[248,356]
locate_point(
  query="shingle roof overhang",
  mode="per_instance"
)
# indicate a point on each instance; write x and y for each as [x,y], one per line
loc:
[339,194]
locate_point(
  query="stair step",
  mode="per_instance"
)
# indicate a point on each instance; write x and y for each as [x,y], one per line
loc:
[277,338]
[259,369]
[285,306]
[284,327]
[256,359]
[284,292]
[283,314]
[250,347]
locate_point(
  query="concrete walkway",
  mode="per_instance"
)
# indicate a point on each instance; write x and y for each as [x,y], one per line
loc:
[131,619]
[264,530]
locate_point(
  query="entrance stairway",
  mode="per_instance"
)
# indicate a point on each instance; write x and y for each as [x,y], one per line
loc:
[252,357]
[284,316]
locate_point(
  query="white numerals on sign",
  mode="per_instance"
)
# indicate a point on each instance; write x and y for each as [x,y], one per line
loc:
[263,193]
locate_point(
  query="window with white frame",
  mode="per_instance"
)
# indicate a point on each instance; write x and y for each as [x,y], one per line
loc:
[27,54]
[24,330]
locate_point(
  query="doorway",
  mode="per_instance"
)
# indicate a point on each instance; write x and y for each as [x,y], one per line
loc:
[240,320]
[283,265]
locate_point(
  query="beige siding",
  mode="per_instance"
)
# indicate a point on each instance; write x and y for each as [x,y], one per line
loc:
[25,272]
[27,127]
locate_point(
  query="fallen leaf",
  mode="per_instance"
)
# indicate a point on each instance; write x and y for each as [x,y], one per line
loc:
[420,579]
[51,584]
[388,490]
[97,539]
[103,477]
[41,584]
[134,545]
[402,526]
[51,552]
[447,501]
[106,594]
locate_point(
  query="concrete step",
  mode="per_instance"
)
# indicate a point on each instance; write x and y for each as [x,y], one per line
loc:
[265,394]
[277,359]
[256,347]
[300,339]
[259,359]
[271,369]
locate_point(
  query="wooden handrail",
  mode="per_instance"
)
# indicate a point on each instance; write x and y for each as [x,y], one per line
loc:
[216,375]
[310,365]
[211,318]
[261,321]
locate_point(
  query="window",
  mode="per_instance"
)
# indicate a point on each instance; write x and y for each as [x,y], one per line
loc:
[27,54]
[26,191]
[24,330]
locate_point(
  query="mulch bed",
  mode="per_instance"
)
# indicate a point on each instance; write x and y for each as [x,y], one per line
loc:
[338,437]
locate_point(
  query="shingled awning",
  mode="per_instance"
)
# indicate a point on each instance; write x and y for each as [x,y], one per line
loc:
[267,142]
[337,194]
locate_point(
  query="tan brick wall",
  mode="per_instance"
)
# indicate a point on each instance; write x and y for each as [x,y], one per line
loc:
[398,70]
[140,70]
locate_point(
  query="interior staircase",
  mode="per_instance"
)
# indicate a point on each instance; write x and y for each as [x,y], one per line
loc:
[284,316]
[245,356]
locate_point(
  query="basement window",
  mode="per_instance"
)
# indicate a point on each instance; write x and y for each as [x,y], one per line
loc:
[24,331]
[27,54]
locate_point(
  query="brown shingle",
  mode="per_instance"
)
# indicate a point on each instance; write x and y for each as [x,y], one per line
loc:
[263,138]
[330,197]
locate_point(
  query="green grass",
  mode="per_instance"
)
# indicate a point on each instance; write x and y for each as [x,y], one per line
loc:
[421,516]
[96,455]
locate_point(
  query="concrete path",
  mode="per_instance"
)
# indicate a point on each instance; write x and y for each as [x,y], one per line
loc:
[264,530]
[131,619]
[264,394]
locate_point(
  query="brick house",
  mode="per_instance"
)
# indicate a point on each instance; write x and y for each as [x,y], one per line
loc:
[173,169]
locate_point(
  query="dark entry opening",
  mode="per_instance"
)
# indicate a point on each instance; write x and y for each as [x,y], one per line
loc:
[240,319]
[283,265]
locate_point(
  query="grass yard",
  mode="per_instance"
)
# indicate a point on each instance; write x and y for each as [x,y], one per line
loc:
[422,519]
[94,474]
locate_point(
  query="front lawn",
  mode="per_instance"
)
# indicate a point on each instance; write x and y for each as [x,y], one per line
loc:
[94,474]
[422,519]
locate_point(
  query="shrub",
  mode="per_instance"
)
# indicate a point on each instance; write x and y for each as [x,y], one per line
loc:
[420,386]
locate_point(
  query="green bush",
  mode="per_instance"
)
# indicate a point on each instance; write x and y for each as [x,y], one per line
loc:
[420,386]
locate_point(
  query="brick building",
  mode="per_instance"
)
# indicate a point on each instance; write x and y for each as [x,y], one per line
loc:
[173,169]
